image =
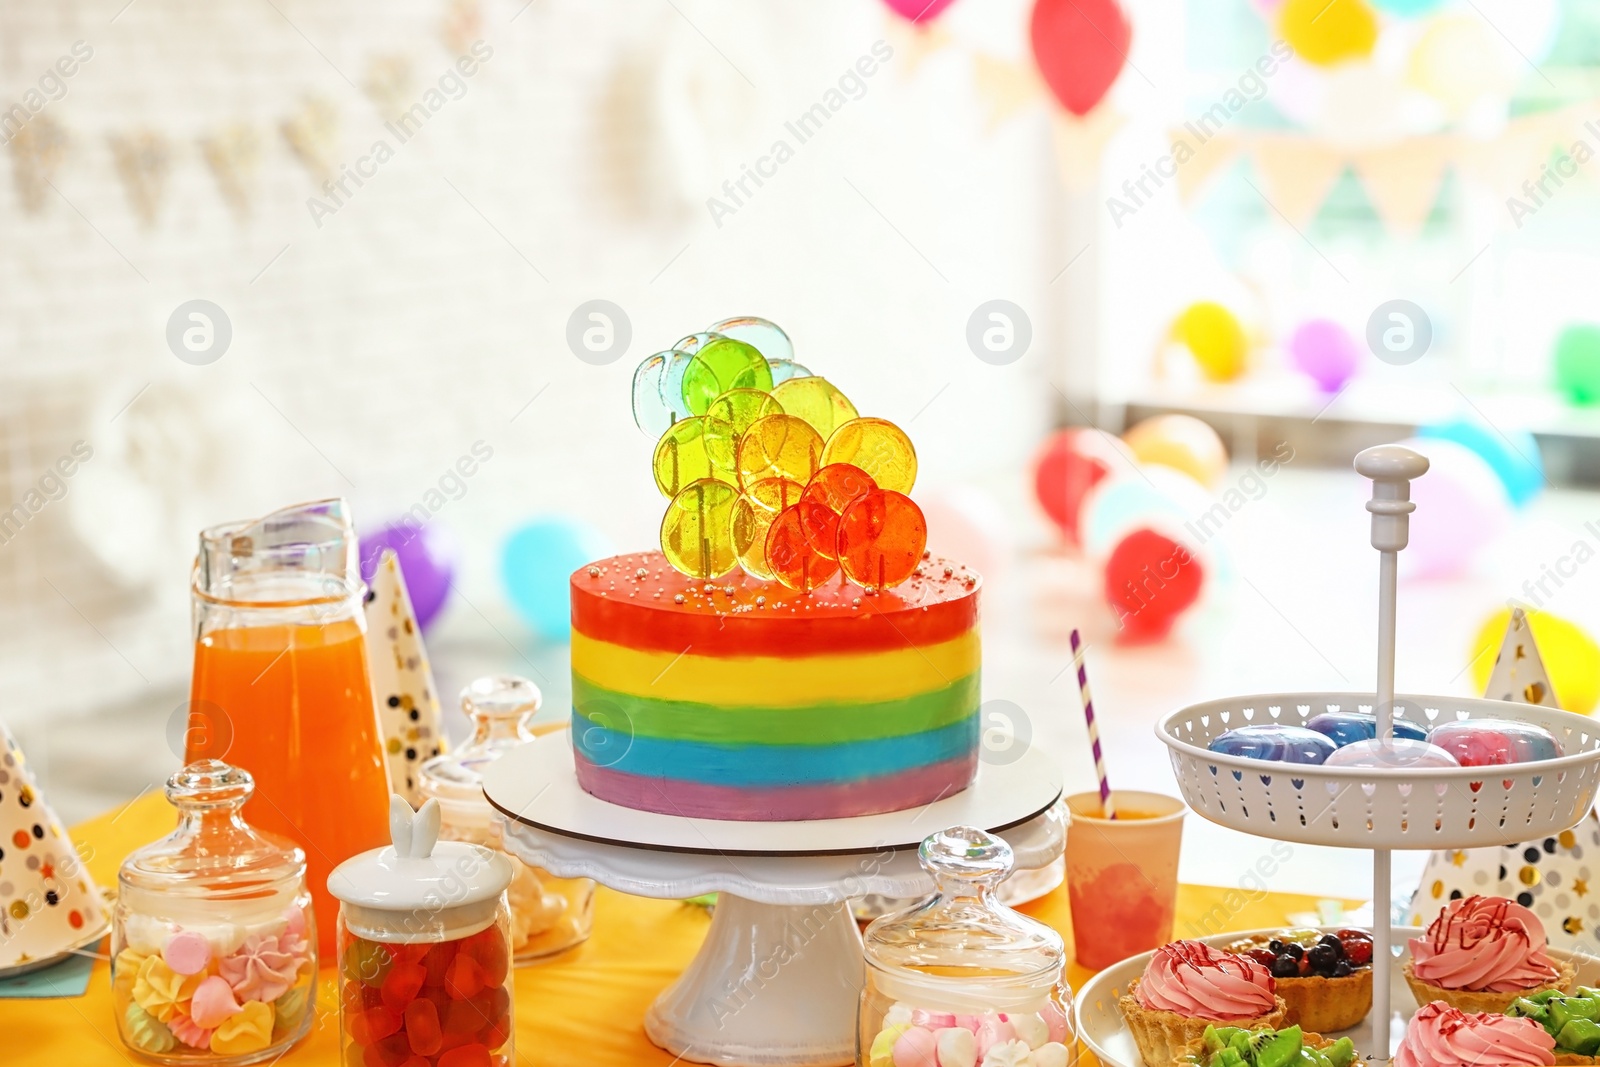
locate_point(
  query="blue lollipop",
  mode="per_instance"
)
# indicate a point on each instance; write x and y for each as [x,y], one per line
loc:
[784,369]
[677,362]
[1345,727]
[765,337]
[1285,744]
[650,414]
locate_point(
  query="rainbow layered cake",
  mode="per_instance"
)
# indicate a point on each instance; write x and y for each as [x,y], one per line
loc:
[739,698]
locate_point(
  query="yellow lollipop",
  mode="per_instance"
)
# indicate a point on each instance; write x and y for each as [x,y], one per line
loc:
[752,518]
[697,530]
[817,401]
[779,446]
[734,411]
[878,447]
[692,450]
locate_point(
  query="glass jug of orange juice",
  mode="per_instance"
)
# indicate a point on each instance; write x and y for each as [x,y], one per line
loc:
[281,686]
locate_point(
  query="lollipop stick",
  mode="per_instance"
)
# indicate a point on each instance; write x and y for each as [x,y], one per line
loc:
[1094,731]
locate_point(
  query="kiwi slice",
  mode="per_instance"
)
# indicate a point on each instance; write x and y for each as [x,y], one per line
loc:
[1216,1038]
[1341,1053]
[1276,1049]
[1529,1008]
[1581,1036]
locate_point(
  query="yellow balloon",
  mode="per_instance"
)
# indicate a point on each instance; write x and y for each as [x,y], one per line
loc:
[1460,59]
[1211,332]
[1326,32]
[1181,442]
[1570,656]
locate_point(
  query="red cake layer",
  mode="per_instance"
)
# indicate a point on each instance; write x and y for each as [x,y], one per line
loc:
[633,600]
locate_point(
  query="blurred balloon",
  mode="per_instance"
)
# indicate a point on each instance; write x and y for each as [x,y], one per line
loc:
[1326,32]
[1459,59]
[1325,351]
[1160,498]
[1514,455]
[967,524]
[921,11]
[1080,46]
[1570,656]
[427,555]
[1150,580]
[1071,463]
[1577,361]
[1214,335]
[1461,506]
[1528,26]
[1407,8]
[536,568]
[1182,442]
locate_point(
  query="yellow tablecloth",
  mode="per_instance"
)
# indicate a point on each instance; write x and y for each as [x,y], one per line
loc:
[583,1009]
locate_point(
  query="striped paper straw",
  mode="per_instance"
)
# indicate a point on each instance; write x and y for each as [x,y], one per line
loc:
[1094,731]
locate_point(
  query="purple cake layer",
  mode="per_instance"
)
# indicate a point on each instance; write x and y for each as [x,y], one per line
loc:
[795,803]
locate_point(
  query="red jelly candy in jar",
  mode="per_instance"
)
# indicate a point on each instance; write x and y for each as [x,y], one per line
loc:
[401,984]
[423,1029]
[473,1055]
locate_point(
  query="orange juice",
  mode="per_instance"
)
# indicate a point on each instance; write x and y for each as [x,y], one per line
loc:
[292,704]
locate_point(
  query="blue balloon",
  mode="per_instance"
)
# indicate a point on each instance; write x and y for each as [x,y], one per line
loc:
[1407,8]
[1513,455]
[536,567]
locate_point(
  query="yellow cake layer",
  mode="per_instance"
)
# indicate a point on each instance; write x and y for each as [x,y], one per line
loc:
[772,681]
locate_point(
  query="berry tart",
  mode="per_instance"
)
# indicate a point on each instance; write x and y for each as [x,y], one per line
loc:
[1324,979]
[1481,954]
[1231,1046]
[1188,986]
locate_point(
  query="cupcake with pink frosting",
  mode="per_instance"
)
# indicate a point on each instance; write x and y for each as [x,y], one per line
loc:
[1481,954]
[1439,1035]
[1188,986]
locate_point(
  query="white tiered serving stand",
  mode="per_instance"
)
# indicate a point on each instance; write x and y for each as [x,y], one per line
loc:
[1385,808]
[777,981]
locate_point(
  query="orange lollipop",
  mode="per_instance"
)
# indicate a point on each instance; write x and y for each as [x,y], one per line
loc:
[779,446]
[881,538]
[830,492]
[790,555]
[753,513]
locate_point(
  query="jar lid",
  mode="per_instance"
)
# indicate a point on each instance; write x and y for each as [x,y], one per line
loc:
[963,933]
[500,707]
[213,852]
[418,873]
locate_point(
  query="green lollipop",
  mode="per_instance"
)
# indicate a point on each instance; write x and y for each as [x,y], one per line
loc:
[720,365]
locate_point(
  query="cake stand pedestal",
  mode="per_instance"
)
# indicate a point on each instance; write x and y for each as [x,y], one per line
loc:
[778,979]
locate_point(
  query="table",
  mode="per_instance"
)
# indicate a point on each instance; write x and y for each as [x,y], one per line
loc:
[584,1008]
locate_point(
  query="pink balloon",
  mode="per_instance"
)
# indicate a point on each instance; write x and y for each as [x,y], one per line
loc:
[919,11]
[968,525]
[1461,506]
[1326,352]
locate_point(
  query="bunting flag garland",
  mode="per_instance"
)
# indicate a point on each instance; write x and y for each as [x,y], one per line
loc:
[312,134]
[388,84]
[234,156]
[143,160]
[37,152]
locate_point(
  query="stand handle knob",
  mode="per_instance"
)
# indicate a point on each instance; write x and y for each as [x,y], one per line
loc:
[1391,468]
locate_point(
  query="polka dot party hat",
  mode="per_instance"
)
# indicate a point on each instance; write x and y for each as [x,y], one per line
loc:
[48,905]
[1553,875]
[402,682]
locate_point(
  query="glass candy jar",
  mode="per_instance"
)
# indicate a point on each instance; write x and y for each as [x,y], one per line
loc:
[548,914]
[214,948]
[960,980]
[424,940]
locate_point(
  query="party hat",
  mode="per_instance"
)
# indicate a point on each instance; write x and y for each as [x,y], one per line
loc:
[1552,875]
[1519,675]
[402,683]
[48,905]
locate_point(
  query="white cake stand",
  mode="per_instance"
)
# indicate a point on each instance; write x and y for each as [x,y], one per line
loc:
[777,981]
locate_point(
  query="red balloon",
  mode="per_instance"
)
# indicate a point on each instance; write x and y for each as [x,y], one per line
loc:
[1150,581]
[918,10]
[1071,463]
[1080,46]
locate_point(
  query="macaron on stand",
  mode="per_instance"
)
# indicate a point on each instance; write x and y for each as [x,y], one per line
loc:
[1394,802]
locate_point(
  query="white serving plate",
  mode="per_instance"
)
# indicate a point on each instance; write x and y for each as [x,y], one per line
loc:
[1101,1028]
